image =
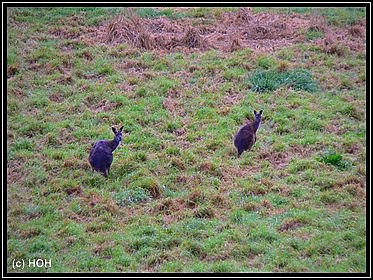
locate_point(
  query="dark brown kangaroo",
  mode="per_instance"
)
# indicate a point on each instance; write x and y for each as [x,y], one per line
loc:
[101,156]
[246,136]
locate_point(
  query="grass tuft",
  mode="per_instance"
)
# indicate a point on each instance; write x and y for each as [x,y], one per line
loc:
[270,80]
[333,158]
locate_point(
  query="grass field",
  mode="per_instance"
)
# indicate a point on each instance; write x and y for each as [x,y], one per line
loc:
[178,199]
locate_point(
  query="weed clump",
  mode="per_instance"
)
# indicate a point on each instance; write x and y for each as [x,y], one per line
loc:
[270,80]
[332,158]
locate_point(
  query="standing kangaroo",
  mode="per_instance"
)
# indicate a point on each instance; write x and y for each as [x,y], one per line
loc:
[246,136]
[101,155]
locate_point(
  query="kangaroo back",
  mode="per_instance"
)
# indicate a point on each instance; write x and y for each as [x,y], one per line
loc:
[101,155]
[246,136]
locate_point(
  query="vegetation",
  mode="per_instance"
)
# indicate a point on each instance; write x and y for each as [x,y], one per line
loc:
[298,79]
[333,158]
[177,198]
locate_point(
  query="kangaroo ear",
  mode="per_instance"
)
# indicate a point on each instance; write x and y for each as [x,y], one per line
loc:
[114,130]
[261,111]
[121,129]
[255,113]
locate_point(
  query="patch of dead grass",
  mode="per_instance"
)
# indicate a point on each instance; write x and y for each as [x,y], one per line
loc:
[173,209]
[280,160]
[56,97]
[103,105]
[290,225]
[228,32]
[14,174]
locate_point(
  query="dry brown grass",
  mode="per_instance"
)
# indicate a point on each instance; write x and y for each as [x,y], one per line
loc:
[228,32]
[291,224]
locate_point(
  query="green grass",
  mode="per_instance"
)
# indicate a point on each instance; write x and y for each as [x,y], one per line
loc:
[312,34]
[333,16]
[177,198]
[333,158]
[270,80]
[151,13]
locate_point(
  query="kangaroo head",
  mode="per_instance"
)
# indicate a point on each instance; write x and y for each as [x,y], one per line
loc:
[258,116]
[118,134]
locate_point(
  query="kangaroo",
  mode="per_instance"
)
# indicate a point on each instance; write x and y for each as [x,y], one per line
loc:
[246,136]
[101,155]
